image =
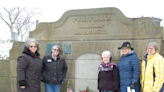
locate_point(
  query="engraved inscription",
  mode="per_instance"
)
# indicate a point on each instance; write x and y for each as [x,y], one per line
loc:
[91,25]
[91,18]
[91,32]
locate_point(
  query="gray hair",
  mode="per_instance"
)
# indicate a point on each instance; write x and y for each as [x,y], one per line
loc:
[154,44]
[27,44]
[60,51]
[108,53]
[130,51]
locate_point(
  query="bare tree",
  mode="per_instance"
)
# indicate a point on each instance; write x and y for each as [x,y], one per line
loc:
[20,19]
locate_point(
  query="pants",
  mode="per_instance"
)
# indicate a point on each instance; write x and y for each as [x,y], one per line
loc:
[52,88]
[107,91]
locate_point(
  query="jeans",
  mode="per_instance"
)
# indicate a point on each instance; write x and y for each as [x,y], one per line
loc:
[52,88]
[107,91]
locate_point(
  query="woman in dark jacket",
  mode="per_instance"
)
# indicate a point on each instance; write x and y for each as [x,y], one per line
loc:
[29,68]
[108,77]
[54,70]
[129,69]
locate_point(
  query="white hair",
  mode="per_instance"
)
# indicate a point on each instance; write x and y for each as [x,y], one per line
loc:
[130,51]
[108,53]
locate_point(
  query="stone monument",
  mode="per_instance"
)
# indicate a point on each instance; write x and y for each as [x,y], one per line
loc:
[83,35]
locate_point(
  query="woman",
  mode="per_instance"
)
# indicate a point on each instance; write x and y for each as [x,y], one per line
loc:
[54,70]
[29,68]
[152,72]
[128,68]
[108,77]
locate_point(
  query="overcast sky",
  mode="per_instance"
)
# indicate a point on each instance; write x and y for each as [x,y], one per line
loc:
[54,9]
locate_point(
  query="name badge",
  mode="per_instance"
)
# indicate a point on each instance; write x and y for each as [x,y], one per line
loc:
[49,60]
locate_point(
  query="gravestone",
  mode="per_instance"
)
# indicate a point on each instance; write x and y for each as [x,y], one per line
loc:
[93,31]
[84,34]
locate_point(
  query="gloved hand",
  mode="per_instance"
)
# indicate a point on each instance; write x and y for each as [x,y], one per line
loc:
[22,83]
[132,86]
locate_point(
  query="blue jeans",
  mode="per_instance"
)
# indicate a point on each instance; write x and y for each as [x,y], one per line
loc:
[52,88]
[107,91]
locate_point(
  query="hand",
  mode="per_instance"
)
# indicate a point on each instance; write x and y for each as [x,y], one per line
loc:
[23,87]
[132,86]
[22,83]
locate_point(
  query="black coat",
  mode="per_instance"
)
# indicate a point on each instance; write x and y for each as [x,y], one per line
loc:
[109,80]
[53,72]
[29,69]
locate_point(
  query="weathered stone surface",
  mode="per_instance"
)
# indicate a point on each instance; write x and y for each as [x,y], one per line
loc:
[86,66]
[4,68]
[13,68]
[71,69]
[16,50]
[97,24]
[14,84]
[5,83]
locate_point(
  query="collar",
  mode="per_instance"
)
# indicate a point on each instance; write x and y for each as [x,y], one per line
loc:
[151,56]
[54,57]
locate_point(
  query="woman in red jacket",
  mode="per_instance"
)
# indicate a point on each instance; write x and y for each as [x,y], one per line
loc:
[108,76]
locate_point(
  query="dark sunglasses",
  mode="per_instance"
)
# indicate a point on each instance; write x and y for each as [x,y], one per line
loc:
[56,50]
[33,46]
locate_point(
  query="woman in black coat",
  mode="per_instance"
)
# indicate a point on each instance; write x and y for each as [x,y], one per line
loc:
[108,77]
[29,68]
[54,70]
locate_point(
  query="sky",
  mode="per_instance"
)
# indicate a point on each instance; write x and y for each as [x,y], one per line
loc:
[52,10]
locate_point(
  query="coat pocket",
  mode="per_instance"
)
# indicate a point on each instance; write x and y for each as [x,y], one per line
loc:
[60,76]
[47,75]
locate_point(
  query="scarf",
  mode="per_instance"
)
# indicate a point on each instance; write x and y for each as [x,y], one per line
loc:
[107,66]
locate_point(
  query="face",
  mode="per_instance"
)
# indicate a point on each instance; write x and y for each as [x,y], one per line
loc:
[151,50]
[106,58]
[33,47]
[55,51]
[125,50]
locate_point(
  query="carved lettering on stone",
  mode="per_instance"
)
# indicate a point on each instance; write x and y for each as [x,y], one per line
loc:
[91,25]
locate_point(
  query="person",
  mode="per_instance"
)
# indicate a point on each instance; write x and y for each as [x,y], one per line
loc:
[152,72]
[29,68]
[129,68]
[54,70]
[108,76]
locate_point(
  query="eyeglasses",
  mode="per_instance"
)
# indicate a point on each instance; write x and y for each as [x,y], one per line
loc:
[32,46]
[150,48]
[56,50]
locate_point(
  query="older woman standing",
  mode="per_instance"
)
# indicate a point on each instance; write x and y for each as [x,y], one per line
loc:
[129,70]
[152,71]
[108,77]
[29,68]
[54,70]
